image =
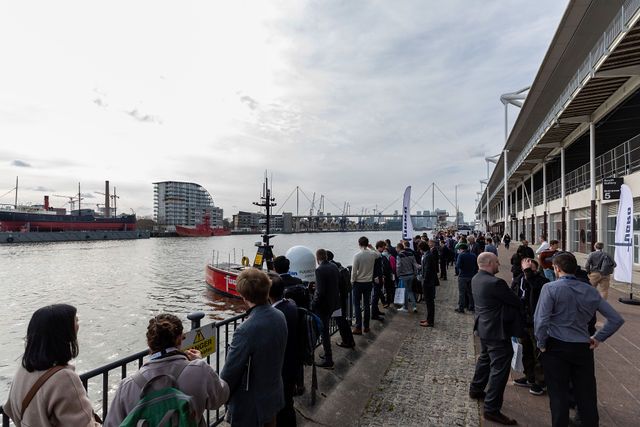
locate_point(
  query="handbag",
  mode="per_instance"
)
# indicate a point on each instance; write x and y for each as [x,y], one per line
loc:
[398,299]
[516,360]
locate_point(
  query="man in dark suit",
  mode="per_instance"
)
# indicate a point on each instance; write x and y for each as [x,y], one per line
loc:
[292,360]
[326,300]
[253,368]
[497,320]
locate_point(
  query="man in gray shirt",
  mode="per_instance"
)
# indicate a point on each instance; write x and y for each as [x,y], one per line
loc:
[564,310]
[600,265]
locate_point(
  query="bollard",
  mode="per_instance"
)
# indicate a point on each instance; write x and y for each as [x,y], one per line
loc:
[195,319]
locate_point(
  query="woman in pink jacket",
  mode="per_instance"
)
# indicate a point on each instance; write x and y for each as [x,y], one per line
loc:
[46,391]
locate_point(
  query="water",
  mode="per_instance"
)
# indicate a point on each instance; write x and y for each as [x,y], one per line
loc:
[118,285]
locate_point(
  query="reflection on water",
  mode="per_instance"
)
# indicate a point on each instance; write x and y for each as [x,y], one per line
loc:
[118,285]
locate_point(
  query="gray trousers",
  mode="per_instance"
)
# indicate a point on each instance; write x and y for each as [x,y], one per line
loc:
[492,370]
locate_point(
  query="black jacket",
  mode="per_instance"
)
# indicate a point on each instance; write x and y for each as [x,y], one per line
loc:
[326,298]
[498,315]
[527,286]
[429,266]
[292,360]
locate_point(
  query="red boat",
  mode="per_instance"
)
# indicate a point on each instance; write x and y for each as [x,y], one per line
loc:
[202,230]
[221,277]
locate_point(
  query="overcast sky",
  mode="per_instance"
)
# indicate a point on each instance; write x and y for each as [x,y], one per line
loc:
[351,99]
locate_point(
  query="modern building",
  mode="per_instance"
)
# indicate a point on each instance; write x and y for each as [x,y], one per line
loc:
[183,203]
[578,127]
[247,221]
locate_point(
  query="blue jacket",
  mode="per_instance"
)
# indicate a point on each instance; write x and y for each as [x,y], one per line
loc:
[253,367]
[467,265]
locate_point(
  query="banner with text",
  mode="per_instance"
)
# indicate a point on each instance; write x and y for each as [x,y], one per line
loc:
[407,225]
[624,237]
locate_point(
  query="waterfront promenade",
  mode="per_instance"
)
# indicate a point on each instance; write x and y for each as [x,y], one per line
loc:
[406,375]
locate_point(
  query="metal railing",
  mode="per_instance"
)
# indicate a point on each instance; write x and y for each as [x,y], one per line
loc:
[224,333]
[620,161]
[602,49]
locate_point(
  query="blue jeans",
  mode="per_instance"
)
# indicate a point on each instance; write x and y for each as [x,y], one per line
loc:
[549,274]
[409,296]
[362,295]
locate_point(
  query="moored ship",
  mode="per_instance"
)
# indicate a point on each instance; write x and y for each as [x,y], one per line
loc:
[203,229]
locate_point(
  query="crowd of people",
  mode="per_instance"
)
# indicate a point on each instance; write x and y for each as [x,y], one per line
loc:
[549,308]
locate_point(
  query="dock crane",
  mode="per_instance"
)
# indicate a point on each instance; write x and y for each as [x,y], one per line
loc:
[72,200]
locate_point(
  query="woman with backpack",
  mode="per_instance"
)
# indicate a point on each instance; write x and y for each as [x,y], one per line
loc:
[46,391]
[168,366]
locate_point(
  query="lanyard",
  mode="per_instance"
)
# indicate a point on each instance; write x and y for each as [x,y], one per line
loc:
[162,353]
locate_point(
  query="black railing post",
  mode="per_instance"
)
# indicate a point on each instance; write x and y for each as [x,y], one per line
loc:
[195,319]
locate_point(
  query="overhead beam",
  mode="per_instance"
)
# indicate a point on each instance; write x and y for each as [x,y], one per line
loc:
[576,119]
[628,71]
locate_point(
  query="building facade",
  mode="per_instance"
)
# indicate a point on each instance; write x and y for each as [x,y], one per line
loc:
[183,203]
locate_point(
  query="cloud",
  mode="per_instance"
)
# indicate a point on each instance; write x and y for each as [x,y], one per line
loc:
[43,189]
[20,164]
[249,102]
[88,195]
[145,118]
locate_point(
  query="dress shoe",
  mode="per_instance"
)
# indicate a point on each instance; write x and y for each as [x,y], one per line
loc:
[426,324]
[366,330]
[356,331]
[500,418]
[477,394]
[457,310]
[343,345]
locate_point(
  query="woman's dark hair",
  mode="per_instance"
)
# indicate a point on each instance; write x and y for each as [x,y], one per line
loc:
[51,338]
[163,331]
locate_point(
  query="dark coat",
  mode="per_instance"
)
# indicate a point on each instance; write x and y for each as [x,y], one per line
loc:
[292,360]
[290,280]
[326,298]
[498,315]
[429,266]
[253,367]
[528,286]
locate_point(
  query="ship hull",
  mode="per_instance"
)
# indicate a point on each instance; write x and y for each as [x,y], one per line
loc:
[183,231]
[223,280]
[20,221]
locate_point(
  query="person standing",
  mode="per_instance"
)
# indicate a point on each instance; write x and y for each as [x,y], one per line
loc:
[362,279]
[544,245]
[253,367]
[292,364]
[381,268]
[507,240]
[344,325]
[564,310]
[528,286]
[467,267]
[545,260]
[407,269]
[443,259]
[429,278]
[326,300]
[599,266]
[497,320]
[490,247]
[51,343]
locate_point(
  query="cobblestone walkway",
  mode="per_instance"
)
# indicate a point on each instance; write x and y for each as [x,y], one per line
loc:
[427,383]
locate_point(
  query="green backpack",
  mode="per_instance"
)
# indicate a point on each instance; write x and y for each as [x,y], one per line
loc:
[163,407]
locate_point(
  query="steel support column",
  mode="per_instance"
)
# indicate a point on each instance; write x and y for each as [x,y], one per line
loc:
[545,229]
[563,232]
[592,178]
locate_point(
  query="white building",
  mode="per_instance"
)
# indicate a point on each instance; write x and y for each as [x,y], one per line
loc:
[183,203]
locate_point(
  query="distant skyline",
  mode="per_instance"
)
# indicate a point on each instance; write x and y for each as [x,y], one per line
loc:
[352,100]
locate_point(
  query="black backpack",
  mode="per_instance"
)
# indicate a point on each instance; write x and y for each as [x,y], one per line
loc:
[309,333]
[345,280]
[299,294]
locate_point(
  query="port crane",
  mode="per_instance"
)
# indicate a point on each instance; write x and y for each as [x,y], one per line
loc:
[72,200]
[113,198]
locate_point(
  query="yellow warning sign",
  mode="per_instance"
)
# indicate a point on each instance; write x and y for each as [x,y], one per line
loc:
[202,339]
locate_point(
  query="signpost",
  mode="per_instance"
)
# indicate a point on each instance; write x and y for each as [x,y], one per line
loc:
[611,188]
[202,339]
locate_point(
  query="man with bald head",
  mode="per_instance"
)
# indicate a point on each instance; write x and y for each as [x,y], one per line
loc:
[497,320]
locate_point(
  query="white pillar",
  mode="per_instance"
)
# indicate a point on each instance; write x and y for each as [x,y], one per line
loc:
[592,158]
[544,186]
[506,207]
[562,177]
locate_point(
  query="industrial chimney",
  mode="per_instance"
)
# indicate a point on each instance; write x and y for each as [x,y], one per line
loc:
[46,203]
[107,211]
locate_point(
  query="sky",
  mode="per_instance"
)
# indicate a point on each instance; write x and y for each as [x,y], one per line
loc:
[353,100]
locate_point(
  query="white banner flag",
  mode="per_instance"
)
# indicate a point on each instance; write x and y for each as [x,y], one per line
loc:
[624,237]
[407,225]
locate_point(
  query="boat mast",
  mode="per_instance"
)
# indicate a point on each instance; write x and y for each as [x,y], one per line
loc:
[265,252]
[16,199]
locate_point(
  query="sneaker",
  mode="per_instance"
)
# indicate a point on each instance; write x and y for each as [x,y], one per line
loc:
[536,390]
[415,309]
[403,310]
[522,382]
[326,365]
